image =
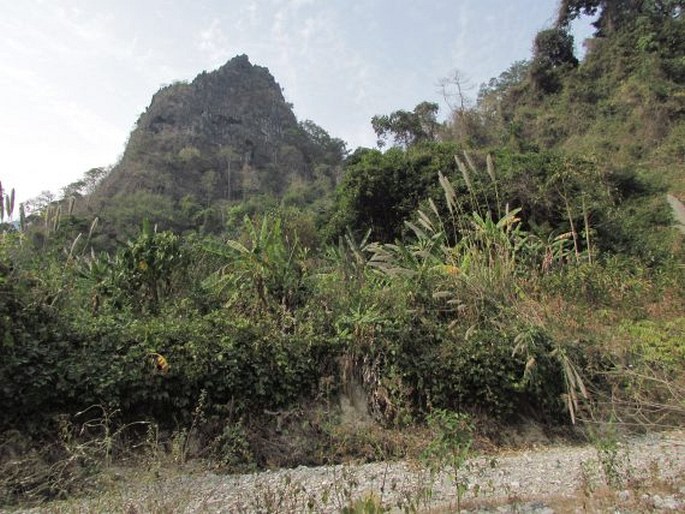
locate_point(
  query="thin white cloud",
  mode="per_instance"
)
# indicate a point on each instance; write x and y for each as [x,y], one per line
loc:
[212,41]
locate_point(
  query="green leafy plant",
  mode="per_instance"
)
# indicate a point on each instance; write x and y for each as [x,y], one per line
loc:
[266,264]
[450,446]
[612,454]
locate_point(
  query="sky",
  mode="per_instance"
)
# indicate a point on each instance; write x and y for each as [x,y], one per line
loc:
[76,74]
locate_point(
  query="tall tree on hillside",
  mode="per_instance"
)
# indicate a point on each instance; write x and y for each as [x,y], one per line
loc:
[553,50]
[614,13]
[407,128]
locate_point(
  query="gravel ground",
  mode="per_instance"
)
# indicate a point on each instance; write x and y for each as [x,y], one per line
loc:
[534,481]
[535,474]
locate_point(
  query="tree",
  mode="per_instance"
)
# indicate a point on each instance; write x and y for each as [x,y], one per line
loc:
[93,177]
[379,191]
[74,189]
[40,202]
[407,128]
[512,76]
[85,185]
[553,49]
[322,146]
[615,13]
[453,88]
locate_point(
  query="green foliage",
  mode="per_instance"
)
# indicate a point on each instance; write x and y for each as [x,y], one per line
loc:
[613,458]
[453,288]
[612,281]
[407,128]
[505,283]
[323,148]
[655,345]
[145,270]
[380,190]
[613,15]
[553,53]
[479,271]
[451,446]
[554,47]
[267,264]
[511,77]
[647,373]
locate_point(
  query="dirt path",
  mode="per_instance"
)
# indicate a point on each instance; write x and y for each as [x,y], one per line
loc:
[678,211]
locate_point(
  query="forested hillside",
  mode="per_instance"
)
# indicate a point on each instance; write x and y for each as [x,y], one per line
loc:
[239,277]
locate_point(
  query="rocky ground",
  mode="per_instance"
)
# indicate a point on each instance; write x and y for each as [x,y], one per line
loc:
[644,474]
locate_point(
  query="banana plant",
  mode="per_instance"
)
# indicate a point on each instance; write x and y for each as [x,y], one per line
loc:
[265,263]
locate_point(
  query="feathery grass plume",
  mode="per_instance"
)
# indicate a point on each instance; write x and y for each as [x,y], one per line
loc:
[417,231]
[474,170]
[425,220]
[442,227]
[58,218]
[453,206]
[93,225]
[2,205]
[22,217]
[433,207]
[70,206]
[573,383]
[469,183]
[490,166]
[78,238]
[464,173]
[70,255]
[450,194]
[470,163]
[9,204]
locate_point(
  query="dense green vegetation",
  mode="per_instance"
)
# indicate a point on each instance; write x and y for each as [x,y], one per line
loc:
[516,262]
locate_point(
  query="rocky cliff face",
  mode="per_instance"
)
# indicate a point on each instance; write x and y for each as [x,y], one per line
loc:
[226,135]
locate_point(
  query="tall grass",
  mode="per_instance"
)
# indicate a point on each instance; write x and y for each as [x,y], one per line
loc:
[481,268]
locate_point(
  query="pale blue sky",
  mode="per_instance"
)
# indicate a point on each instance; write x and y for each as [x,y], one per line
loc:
[76,74]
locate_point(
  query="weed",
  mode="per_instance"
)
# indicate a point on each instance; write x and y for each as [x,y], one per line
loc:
[451,447]
[367,504]
[612,456]
[287,496]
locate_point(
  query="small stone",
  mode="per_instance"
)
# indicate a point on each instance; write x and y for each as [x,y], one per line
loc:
[540,508]
[667,503]
[624,496]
